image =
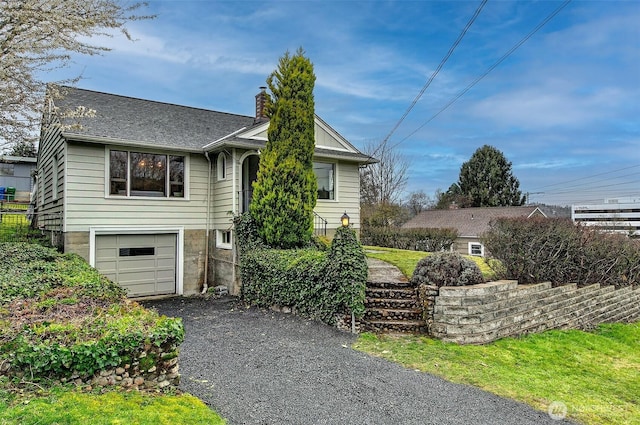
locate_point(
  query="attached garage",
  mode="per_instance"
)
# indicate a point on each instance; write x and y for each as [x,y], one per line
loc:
[143,264]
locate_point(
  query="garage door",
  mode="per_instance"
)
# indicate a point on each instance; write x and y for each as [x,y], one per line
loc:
[142,264]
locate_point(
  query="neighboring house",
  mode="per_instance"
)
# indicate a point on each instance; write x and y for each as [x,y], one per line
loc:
[614,215]
[470,223]
[17,172]
[146,191]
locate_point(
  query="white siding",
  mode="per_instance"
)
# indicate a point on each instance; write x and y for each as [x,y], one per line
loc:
[347,199]
[87,205]
[325,139]
[50,209]
[222,195]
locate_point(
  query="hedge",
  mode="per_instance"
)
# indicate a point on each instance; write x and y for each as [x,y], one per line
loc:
[318,284]
[419,239]
[556,250]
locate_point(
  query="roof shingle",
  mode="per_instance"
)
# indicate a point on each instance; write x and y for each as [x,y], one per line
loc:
[157,123]
[470,222]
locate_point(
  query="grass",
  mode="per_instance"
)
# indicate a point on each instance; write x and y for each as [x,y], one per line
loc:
[61,405]
[406,260]
[595,374]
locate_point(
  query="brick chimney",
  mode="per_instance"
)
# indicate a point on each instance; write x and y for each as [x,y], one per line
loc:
[261,103]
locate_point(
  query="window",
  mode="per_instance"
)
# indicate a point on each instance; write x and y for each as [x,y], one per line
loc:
[146,174]
[54,178]
[223,239]
[221,166]
[476,249]
[136,252]
[6,169]
[325,175]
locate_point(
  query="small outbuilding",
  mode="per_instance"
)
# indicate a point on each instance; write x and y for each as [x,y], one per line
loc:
[16,179]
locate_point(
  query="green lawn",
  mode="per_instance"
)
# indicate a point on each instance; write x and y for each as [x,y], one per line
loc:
[66,406]
[406,260]
[595,374]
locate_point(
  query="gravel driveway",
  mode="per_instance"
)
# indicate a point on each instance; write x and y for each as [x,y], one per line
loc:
[260,367]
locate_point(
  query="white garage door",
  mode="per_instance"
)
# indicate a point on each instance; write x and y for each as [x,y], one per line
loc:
[142,264]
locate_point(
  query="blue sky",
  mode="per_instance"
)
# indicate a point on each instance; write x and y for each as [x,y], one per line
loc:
[564,108]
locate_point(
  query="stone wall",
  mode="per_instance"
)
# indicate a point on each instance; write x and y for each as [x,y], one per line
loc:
[483,313]
[151,368]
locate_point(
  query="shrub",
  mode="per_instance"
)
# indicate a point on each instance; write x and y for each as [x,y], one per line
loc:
[430,240]
[446,269]
[247,236]
[556,250]
[318,284]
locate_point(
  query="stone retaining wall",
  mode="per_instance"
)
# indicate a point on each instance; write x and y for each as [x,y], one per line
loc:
[152,368]
[483,313]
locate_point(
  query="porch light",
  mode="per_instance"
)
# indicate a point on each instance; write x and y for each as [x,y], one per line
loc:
[345,220]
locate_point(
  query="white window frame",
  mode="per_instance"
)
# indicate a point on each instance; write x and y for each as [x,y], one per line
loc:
[335,180]
[54,178]
[224,239]
[221,167]
[476,244]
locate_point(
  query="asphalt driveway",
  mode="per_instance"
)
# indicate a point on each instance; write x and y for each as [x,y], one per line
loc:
[259,367]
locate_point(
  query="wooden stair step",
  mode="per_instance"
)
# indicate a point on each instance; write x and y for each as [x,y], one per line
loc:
[403,293]
[387,314]
[409,326]
[391,303]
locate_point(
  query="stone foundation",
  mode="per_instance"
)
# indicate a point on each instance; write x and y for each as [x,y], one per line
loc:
[221,270]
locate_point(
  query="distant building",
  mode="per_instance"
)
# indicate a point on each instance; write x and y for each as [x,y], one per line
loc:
[619,215]
[16,172]
[470,223]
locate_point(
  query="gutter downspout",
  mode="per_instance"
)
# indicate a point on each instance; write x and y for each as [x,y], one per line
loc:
[235,213]
[205,286]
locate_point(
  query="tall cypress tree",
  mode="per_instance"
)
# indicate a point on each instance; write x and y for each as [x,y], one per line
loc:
[285,192]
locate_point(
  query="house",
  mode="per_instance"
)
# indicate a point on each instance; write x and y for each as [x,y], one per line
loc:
[16,172]
[618,215]
[146,191]
[470,223]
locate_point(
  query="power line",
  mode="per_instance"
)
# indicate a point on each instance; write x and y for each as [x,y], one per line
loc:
[591,188]
[491,68]
[433,75]
[590,177]
[589,185]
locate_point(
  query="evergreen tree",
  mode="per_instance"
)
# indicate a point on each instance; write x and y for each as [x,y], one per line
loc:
[285,192]
[487,180]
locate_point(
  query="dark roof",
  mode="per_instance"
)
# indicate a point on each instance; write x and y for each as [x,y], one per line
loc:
[139,122]
[470,222]
[146,121]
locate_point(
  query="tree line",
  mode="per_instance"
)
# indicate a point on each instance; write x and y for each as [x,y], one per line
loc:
[485,180]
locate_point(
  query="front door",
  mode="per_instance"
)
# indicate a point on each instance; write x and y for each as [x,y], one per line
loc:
[249,175]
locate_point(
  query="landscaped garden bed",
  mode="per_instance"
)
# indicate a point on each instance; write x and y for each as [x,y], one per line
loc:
[61,320]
